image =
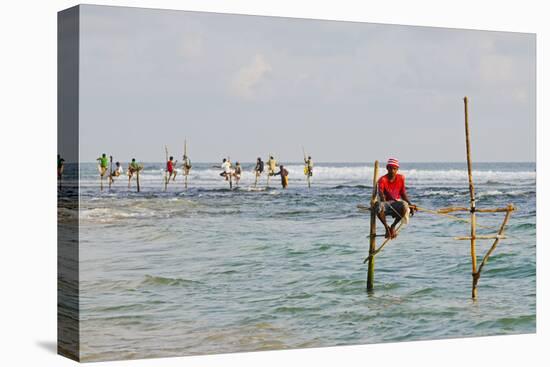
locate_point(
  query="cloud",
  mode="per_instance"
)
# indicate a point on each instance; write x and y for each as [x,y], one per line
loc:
[248,78]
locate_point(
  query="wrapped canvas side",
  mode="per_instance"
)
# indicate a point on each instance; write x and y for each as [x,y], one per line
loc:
[68,341]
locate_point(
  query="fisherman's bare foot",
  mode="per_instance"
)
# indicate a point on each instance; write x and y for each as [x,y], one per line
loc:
[388,233]
[393,233]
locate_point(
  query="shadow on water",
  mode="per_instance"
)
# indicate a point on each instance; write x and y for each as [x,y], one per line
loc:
[48,345]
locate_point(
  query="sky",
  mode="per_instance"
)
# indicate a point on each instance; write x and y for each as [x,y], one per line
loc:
[248,86]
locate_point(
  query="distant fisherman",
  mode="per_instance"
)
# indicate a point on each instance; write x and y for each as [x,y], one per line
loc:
[60,167]
[133,167]
[118,170]
[271,166]
[259,169]
[308,169]
[284,176]
[170,169]
[237,173]
[393,198]
[103,164]
[186,165]
[226,167]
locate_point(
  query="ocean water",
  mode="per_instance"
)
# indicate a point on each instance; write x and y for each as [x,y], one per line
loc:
[213,270]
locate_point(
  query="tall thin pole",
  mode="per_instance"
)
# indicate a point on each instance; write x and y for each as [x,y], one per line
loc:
[110,171]
[137,178]
[185,169]
[101,173]
[166,177]
[472,203]
[372,237]
[268,169]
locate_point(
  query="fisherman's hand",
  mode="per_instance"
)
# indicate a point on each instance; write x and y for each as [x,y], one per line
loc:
[413,209]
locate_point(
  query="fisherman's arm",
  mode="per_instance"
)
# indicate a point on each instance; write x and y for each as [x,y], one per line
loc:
[406,198]
[381,195]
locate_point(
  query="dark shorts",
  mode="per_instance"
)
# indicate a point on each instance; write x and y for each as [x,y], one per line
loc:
[392,208]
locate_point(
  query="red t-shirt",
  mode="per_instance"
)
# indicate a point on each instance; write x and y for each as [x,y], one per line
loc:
[169,166]
[392,190]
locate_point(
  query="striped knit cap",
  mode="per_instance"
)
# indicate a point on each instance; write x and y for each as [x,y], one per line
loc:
[393,162]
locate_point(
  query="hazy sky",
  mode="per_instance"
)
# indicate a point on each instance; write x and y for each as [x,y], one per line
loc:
[244,86]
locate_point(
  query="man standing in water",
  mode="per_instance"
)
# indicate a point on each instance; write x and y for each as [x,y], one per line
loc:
[284,176]
[393,199]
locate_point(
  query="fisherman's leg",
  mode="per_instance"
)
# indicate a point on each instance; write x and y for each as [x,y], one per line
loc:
[393,233]
[382,216]
[175,173]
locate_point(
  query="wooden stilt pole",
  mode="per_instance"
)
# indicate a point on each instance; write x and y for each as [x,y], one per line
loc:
[137,178]
[372,239]
[185,169]
[100,178]
[166,177]
[110,171]
[472,203]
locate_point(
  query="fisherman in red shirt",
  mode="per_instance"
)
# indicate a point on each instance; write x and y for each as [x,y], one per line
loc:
[393,199]
[170,170]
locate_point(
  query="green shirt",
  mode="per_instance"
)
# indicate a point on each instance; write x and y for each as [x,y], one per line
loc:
[103,161]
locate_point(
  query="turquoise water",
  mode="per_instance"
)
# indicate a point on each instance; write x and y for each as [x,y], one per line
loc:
[213,270]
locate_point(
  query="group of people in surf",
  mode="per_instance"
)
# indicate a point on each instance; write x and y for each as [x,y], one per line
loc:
[171,170]
[392,194]
[103,164]
[229,172]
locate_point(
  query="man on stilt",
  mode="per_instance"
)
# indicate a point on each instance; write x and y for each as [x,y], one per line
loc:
[258,170]
[103,164]
[393,198]
[133,169]
[60,167]
[171,170]
[186,165]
